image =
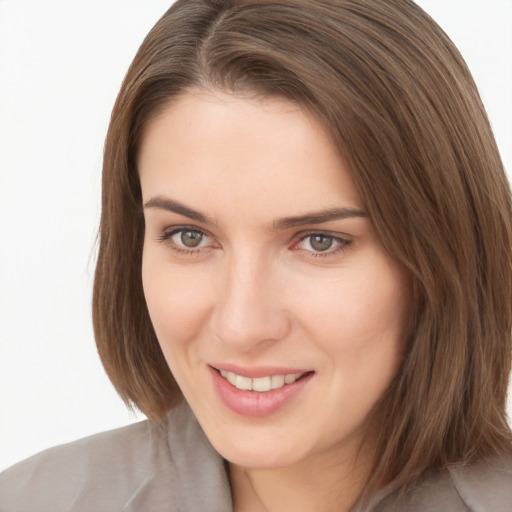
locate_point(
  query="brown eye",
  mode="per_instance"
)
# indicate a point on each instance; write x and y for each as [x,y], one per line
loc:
[188,241]
[323,244]
[191,239]
[320,243]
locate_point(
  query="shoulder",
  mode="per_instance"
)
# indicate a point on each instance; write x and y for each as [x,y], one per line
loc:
[482,487]
[139,467]
[104,467]
[485,486]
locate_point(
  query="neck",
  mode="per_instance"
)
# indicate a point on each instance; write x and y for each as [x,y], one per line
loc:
[322,483]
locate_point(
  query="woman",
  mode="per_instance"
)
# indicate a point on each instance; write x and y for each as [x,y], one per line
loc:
[304,275]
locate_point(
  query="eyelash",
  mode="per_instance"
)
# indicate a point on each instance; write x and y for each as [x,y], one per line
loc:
[343,243]
[165,237]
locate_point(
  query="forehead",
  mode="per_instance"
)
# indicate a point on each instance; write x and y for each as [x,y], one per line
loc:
[215,145]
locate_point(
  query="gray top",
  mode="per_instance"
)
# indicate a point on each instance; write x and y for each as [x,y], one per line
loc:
[171,466]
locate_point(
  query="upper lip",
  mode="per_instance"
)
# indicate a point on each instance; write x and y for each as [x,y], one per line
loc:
[254,372]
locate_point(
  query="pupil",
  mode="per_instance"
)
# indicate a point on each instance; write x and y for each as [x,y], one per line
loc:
[191,238]
[321,243]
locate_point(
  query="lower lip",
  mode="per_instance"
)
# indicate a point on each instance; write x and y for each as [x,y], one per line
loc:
[254,403]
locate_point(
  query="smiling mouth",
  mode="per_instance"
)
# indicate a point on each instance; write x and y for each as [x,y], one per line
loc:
[264,392]
[260,384]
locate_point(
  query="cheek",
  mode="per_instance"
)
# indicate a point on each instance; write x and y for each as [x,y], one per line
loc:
[358,310]
[357,321]
[176,301]
[374,332]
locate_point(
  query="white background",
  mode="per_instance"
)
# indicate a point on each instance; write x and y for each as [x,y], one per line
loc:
[61,65]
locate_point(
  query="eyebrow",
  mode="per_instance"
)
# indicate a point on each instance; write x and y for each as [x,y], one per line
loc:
[319,217]
[171,205]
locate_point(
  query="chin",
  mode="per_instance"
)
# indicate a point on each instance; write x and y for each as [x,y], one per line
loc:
[259,455]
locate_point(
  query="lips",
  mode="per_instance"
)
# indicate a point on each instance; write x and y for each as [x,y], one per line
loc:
[258,392]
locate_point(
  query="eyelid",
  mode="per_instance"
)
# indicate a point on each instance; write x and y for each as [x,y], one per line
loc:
[166,234]
[319,232]
[172,230]
[343,240]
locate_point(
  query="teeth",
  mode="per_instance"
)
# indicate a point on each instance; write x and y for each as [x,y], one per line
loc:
[244,383]
[277,381]
[290,378]
[260,384]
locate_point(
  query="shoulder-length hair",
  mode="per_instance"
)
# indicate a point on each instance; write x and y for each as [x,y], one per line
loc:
[401,105]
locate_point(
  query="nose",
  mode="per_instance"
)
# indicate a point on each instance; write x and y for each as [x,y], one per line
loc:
[249,312]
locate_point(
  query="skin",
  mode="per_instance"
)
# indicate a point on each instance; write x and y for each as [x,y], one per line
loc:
[255,294]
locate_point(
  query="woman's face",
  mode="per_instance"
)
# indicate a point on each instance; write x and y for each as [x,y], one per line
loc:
[261,270]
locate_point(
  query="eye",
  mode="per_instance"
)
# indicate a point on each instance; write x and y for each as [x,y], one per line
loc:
[322,244]
[186,240]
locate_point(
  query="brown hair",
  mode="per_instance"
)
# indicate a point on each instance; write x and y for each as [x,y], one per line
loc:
[405,113]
